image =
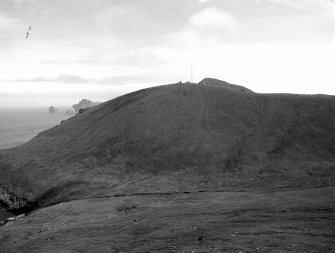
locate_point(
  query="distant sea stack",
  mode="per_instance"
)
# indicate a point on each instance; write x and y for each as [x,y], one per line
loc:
[84,104]
[52,109]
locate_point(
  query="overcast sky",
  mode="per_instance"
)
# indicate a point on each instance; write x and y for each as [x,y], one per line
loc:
[104,48]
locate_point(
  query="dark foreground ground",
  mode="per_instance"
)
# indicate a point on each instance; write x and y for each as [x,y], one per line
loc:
[268,220]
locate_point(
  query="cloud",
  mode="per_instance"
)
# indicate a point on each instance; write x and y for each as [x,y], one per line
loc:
[214,18]
[61,79]
[129,78]
[199,1]
[73,79]
[125,19]
[19,3]
[58,94]
[8,24]
[24,1]
[135,43]
[139,78]
[307,4]
[28,59]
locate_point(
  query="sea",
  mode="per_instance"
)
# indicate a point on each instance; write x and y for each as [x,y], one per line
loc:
[19,125]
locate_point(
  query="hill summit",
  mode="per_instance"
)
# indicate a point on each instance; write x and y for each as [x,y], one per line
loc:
[178,137]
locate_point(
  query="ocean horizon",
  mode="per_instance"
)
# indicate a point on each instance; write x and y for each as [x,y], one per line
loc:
[19,125]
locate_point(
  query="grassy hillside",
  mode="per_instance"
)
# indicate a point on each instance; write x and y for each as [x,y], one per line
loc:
[209,167]
[177,137]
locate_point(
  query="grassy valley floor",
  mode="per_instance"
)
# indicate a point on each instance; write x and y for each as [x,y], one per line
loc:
[268,220]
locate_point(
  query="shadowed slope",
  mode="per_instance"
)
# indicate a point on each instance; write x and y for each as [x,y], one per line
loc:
[178,137]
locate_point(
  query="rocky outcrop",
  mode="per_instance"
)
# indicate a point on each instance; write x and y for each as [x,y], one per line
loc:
[82,110]
[70,112]
[15,218]
[12,219]
[13,202]
[84,104]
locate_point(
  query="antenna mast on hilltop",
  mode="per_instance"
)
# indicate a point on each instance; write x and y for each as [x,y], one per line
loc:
[191,74]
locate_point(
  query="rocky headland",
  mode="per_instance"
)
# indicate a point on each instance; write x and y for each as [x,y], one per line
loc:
[84,104]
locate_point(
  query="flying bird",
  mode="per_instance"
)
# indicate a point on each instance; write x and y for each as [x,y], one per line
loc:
[28,32]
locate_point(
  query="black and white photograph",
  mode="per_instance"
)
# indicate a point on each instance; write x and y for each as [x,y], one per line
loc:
[186,126]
